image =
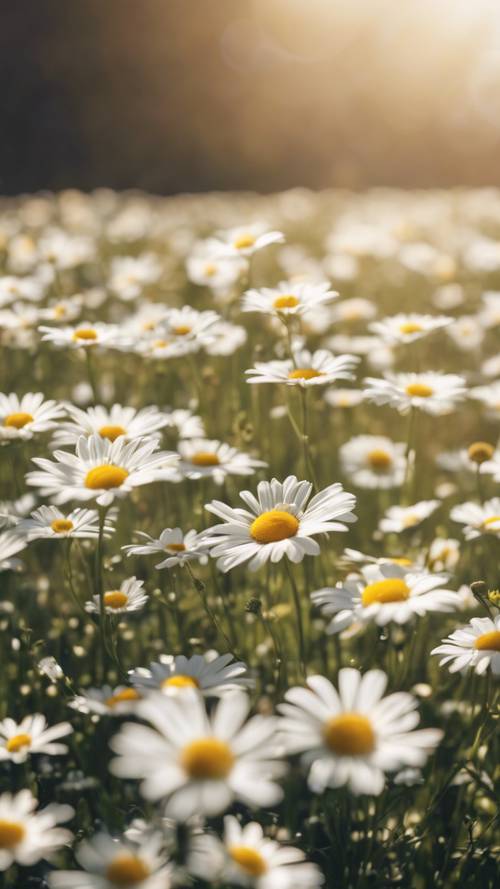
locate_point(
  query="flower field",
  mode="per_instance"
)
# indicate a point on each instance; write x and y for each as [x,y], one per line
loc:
[249,540]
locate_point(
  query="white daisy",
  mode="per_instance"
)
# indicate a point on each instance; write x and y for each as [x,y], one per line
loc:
[110,862]
[62,310]
[209,458]
[444,554]
[10,545]
[107,701]
[354,735]
[182,331]
[200,764]
[31,735]
[178,547]
[13,288]
[27,835]
[185,423]
[128,598]
[489,315]
[478,518]
[432,392]
[384,593]
[21,418]
[12,511]
[306,369]
[344,398]
[406,328]
[401,518]
[225,338]
[491,466]
[206,269]
[131,274]
[373,461]
[211,674]
[102,470]
[244,240]
[353,310]
[109,423]
[85,335]
[489,396]
[466,332]
[49,522]
[475,646]
[279,522]
[289,298]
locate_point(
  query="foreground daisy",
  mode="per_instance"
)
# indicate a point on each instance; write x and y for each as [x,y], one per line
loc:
[102,470]
[31,735]
[209,458]
[109,423]
[478,518]
[178,547]
[373,461]
[128,598]
[384,593]
[307,369]
[49,522]
[354,735]
[278,522]
[109,863]
[473,647]
[401,518]
[210,675]
[22,418]
[288,298]
[200,763]
[27,835]
[403,328]
[432,392]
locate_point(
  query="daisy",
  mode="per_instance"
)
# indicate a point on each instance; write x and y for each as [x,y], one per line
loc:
[279,522]
[384,593]
[217,272]
[185,423]
[225,338]
[478,518]
[85,335]
[344,398]
[475,646]
[210,673]
[244,240]
[21,418]
[354,735]
[110,862]
[131,274]
[49,522]
[129,597]
[373,461]
[289,298]
[466,333]
[62,310]
[407,328]
[107,701]
[10,544]
[109,423]
[12,511]
[178,547]
[13,288]
[354,557]
[200,764]
[489,396]
[491,465]
[353,310]
[444,554]
[182,331]
[102,470]
[27,835]
[489,315]
[20,740]
[432,392]
[208,458]
[306,369]
[401,518]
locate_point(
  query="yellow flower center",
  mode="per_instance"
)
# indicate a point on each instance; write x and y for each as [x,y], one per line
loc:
[210,269]
[180,681]
[410,520]
[17,421]
[127,870]
[207,759]
[11,833]
[350,734]
[205,458]
[175,547]
[244,241]
[287,301]
[276,524]
[115,599]
[112,432]
[105,477]
[17,742]
[379,460]
[182,330]
[394,589]
[251,861]
[410,327]
[121,697]
[61,526]
[304,373]
[85,333]
[493,519]
[405,563]
[488,641]
[419,390]
[480,451]
[160,344]
[59,311]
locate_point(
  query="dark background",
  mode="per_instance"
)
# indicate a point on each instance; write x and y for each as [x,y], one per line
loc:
[194,95]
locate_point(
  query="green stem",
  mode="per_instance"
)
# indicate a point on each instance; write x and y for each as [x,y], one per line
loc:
[298,611]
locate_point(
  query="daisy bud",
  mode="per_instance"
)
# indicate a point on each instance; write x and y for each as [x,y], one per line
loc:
[253,606]
[480,451]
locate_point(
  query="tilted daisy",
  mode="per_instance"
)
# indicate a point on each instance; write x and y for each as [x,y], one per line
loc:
[244,240]
[21,418]
[354,736]
[109,423]
[353,557]
[28,834]
[406,328]
[10,544]
[49,522]
[432,392]
[31,735]
[63,310]
[288,298]
[129,597]
[478,518]
[473,647]
[112,862]
[401,518]
[178,547]
[373,461]
[209,458]
[210,674]
[278,522]
[198,763]
[84,335]
[107,701]
[102,470]
[307,369]
[383,594]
